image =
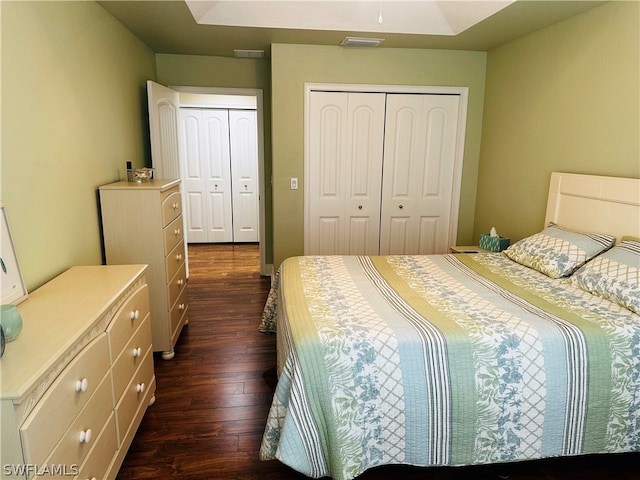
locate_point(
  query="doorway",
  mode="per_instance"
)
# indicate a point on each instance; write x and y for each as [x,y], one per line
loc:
[164,111]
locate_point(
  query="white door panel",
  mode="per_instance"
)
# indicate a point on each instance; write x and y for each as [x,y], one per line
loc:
[194,211]
[164,105]
[244,173]
[419,154]
[344,172]
[206,174]
[217,159]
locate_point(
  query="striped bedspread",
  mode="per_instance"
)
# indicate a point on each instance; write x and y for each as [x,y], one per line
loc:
[444,360]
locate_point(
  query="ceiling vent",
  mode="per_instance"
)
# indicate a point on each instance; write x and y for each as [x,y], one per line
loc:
[361,42]
[248,53]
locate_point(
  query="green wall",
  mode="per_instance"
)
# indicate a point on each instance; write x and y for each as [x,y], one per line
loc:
[565,98]
[293,65]
[223,72]
[73,111]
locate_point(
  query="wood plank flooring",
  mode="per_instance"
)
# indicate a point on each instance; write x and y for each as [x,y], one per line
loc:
[212,399]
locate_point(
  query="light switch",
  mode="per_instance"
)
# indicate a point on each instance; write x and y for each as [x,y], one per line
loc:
[294,183]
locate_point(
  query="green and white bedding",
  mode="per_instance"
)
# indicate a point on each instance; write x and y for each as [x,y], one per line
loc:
[444,360]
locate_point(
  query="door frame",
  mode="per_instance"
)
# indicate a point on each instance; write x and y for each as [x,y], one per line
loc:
[463,92]
[258,94]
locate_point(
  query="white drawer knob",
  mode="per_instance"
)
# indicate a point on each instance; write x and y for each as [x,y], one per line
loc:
[180,282]
[85,436]
[82,385]
[134,315]
[181,306]
[140,388]
[137,352]
[179,257]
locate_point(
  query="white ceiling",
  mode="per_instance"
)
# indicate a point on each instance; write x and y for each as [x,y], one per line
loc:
[168,26]
[420,17]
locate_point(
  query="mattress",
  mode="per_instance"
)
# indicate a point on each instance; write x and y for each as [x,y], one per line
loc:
[444,360]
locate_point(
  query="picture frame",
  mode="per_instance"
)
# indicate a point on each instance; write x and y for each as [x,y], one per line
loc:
[12,286]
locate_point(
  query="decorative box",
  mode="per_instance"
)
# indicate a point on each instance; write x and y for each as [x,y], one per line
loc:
[493,244]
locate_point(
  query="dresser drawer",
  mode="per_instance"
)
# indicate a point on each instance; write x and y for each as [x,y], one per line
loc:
[173,234]
[97,462]
[127,320]
[178,310]
[136,393]
[79,439]
[64,400]
[171,207]
[174,261]
[131,357]
[176,285]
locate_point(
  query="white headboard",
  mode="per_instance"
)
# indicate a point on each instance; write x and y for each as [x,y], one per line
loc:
[593,203]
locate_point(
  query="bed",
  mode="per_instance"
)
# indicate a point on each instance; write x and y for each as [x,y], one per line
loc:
[464,359]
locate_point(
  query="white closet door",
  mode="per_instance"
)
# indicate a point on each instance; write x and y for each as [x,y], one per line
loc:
[417,187]
[243,136]
[206,175]
[344,172]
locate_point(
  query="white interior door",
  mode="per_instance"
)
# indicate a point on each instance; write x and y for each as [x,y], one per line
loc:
[206,175]
[164,105]
[346,132]
[418,183]
[243,147]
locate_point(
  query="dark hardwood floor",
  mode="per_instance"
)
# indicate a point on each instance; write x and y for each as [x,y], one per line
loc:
[212,399]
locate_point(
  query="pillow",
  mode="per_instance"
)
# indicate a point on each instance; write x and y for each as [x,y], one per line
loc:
[558,252]
[614,275]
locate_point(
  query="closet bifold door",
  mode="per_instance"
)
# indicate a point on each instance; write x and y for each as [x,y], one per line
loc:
[345,172]
[417,186]
[206,175]
[243,145]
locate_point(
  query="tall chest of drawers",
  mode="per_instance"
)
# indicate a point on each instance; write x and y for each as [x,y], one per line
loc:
[77,381]
[142,223]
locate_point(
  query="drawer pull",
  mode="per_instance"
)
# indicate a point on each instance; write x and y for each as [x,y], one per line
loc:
[140,388]
[176,232]
[179,257]
[176,206]
[137,352]
[180,282]
[181,306]
[134,315]
[85,436]
[82,385]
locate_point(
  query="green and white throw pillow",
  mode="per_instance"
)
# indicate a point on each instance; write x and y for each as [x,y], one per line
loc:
[558,252]
[614,275]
